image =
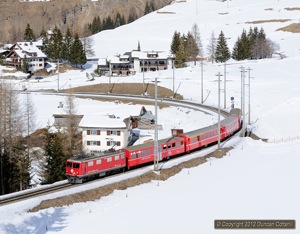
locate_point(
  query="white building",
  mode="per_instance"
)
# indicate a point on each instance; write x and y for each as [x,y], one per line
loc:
[26,50]
[137,61]
[105,132]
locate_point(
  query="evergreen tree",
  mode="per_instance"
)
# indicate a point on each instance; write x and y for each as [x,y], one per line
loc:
[180,56]
[132,15]
[45,40]
[77,53]
[1,59]
[67,43]
[55,45]
[28,34]
[96,25]
[139,46]
[222,50]
[236,52]
[242,48]
[147,9]
[25,65]
[245,46]
[191,48]
[108,23]
[56,160]
[175,42]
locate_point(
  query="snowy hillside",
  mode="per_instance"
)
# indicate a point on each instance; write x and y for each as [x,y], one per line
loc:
[256,180]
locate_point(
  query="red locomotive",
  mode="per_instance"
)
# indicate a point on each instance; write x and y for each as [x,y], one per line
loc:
[82,168]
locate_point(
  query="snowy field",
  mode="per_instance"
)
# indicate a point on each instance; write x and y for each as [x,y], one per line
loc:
[256,180]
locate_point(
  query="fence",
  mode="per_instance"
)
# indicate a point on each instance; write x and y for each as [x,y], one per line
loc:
[284,139]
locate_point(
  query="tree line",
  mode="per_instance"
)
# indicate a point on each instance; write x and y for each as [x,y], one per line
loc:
[56,46]
[251,45]
[98,25]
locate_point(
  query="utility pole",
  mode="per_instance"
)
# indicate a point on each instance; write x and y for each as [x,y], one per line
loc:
[241,67]
[219,101]
[173,76]
[109,77]
[202,81]
[143,93]
[225,85]
[249,69]
[243,93]
[57,75]
[156,156]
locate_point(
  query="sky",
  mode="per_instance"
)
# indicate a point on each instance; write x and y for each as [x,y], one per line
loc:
[255,180]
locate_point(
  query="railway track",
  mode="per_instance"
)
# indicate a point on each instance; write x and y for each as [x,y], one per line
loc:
[26,194]
[20,196]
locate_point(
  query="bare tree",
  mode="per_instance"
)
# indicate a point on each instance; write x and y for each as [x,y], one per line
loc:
[88,43]
[72,134]
[196,34]
[211,48]
[14,163]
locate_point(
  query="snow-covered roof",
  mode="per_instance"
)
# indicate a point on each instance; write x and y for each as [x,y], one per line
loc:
[102,61]
[29,49]
[101,121]
[144,54]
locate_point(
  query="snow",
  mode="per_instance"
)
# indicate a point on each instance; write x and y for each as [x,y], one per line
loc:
[256,180]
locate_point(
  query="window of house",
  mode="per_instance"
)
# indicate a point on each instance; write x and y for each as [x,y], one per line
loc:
[115,133]
[95,143]
[93,132]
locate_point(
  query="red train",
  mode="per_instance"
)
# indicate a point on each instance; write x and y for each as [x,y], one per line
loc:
[82,168]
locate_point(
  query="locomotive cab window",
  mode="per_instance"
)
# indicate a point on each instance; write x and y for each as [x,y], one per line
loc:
[76,165]
[69,164]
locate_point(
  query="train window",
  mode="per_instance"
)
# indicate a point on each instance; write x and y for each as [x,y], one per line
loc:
[109,159]
[138,154]
[90,163]
[76,165]
[164,147]
[117,157]
[122,156]
[69,164]
[149,151]
[173,144]
[98,161]
[169,146]
[144,153]
[132,155]
[198,138]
